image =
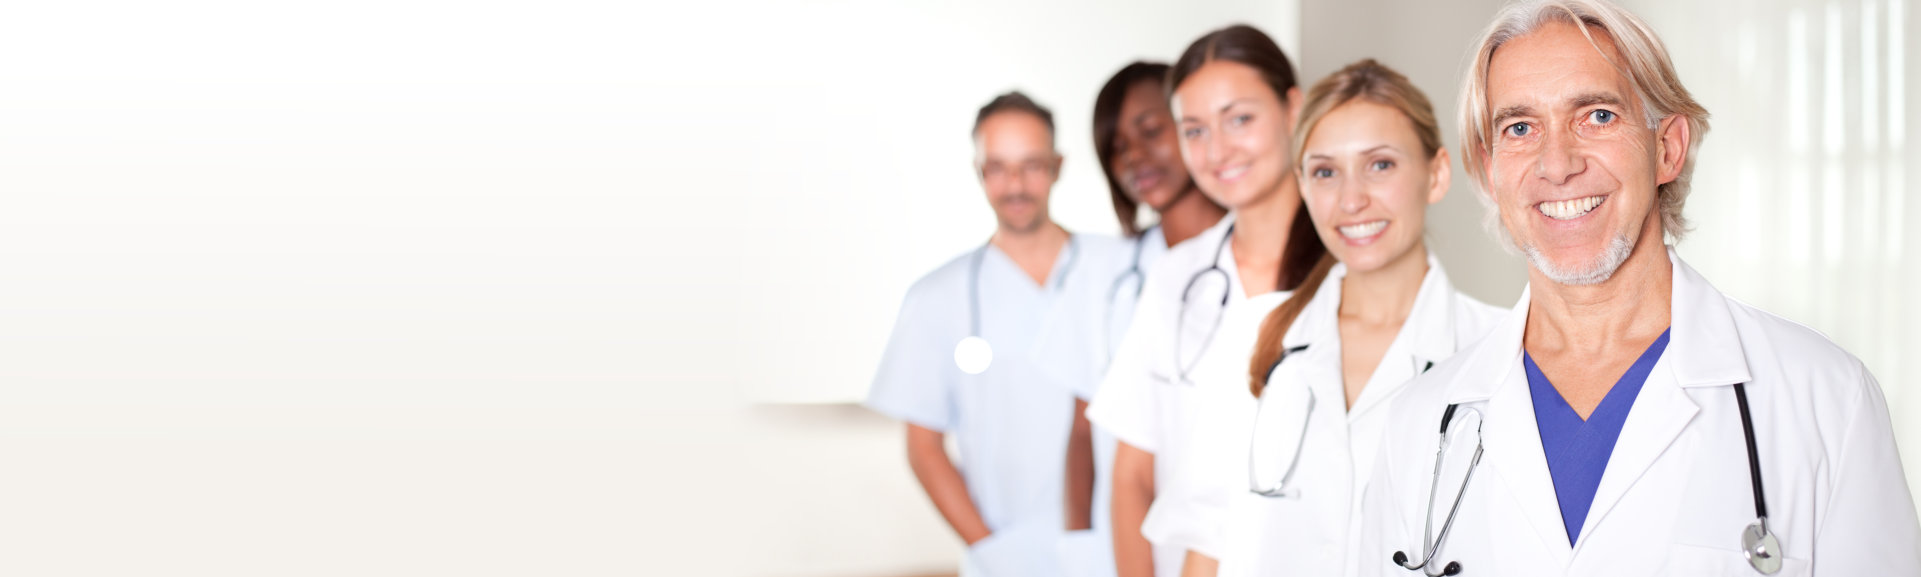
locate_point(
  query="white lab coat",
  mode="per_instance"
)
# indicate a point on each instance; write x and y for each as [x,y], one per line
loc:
[1139,401]
[1193,461]
[1011,422]
[1090,553]
[1676,494]
[1213,506]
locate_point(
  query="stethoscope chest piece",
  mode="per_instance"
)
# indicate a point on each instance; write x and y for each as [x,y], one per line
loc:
[973,355]
[1762,549]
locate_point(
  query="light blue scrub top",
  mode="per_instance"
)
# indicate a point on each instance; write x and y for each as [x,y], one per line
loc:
[1010,422]
[1577,450]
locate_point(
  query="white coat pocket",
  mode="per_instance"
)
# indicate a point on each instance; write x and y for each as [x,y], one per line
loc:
[1697,561]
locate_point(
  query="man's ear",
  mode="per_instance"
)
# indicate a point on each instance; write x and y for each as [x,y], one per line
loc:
[1671,148]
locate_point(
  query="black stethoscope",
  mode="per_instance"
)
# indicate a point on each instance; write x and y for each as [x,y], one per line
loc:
[1302,405]
[1134,274]
[1283,486]
[972,354]
[1758,543]
[1181,365]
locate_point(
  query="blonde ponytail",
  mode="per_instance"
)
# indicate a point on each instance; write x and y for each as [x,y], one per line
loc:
[1268,349]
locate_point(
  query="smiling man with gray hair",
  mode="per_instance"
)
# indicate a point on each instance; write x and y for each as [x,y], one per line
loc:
[1627,418]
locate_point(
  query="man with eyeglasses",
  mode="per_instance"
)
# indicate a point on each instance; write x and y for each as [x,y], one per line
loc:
[991,347]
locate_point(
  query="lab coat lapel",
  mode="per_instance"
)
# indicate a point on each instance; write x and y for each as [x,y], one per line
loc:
[1659,414]
[1700,353]
[1514,455]
[1426,337]
[1319,330]
[1703,346]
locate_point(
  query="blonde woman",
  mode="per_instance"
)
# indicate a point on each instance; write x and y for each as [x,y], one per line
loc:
[1278,475]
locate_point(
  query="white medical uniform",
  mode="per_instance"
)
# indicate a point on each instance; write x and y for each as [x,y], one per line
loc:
[1010,422]
[1211,504]
[1676,494]
[1096,545]
[1139,401]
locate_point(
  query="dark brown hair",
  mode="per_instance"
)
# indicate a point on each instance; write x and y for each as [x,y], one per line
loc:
[1015,102]
[1107,121]
[1366,81]
[1238,43]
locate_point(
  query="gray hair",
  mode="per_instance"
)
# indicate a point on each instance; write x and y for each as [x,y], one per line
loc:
[1643,59]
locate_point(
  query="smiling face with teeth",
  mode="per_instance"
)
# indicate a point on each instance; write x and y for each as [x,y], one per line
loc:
[1574,166]
[1234,132]
[1368,181]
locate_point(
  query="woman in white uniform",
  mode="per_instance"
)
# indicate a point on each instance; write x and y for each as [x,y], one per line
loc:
[1277,471]
[1136,141]
[1235,100]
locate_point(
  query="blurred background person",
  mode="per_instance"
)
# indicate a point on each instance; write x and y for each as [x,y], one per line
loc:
[1137,142]
[1279,473]
[1234,97]
[991,348]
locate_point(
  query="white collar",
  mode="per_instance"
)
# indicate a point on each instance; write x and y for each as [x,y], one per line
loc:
[1703,345]
[1431,320]
[1432,315]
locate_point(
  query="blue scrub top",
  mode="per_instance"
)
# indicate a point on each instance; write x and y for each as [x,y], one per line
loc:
[1577,451]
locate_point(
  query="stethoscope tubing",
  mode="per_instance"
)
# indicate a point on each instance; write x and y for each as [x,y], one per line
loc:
[1180,328]
[1754,477]
[1280,489]
[1113,290]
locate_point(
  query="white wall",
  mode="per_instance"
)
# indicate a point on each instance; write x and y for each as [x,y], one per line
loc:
[424,287]
[353,288]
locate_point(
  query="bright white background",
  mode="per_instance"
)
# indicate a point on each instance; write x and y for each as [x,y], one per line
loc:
[422,287]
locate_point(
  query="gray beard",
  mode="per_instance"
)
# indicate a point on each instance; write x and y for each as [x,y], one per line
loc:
[1596,271]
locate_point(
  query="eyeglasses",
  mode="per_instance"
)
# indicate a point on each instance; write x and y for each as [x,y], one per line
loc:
[1029,169]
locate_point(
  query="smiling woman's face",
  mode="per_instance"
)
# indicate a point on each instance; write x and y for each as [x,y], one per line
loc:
[1234,133]
[1368,181]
